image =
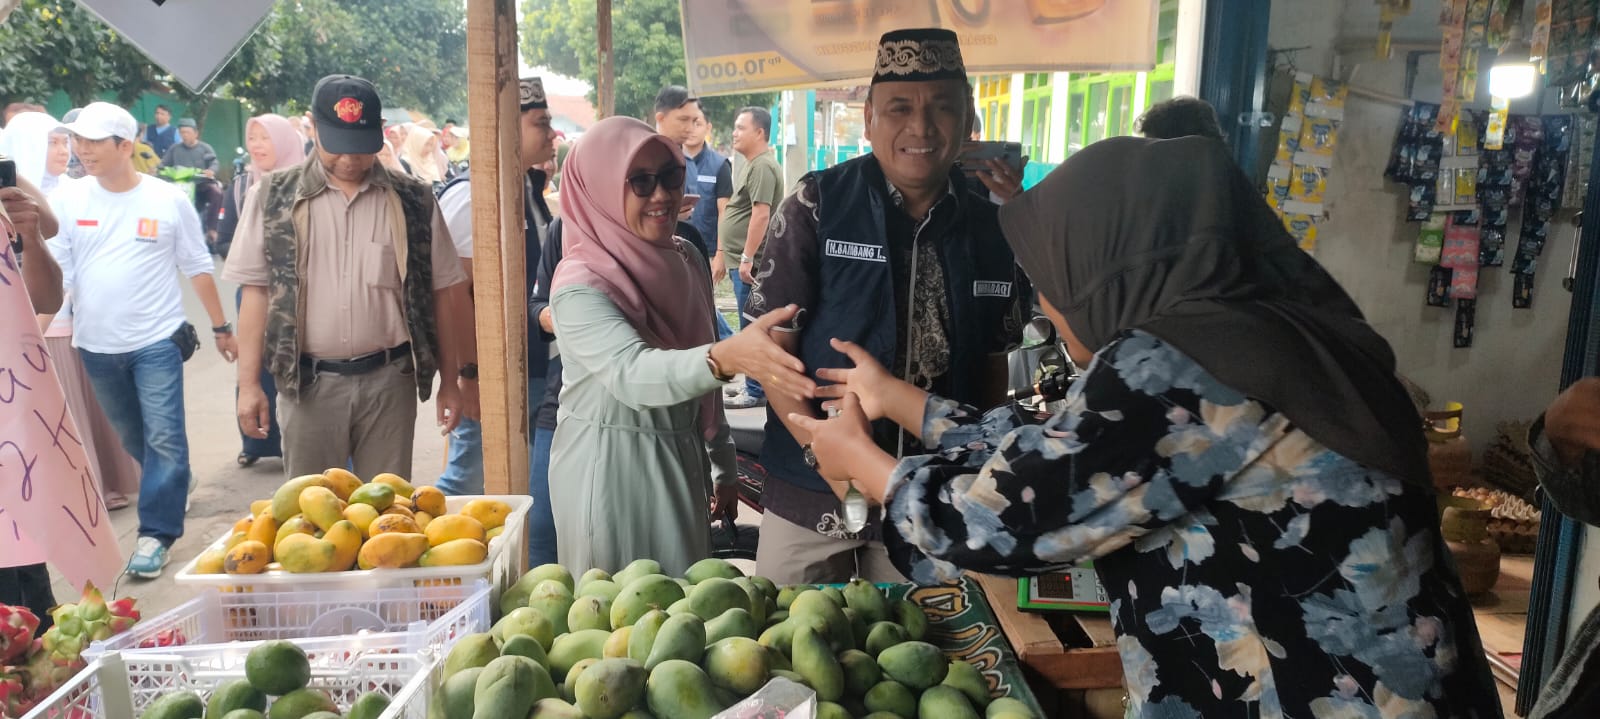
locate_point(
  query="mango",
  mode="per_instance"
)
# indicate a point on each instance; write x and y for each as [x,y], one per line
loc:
[527,622]
[424,519]
[569,688]
[907,614]
[858,627]
[492,534]
[233,540]
[738,664]
[835,595]
[735,622]
[617,646]
[386,523]
[868,601]
[454,553]
[610,687]
[403,503]
[391,550]
[681,606]
[522,645]
[917,665]
[820,605]
[554,709]
[792,676]
[247,557]
[235,694]
[786,595]
[680,690]
[428,499]
[210,561]
[320,505]
[711,567]
[490,512]
[401,487]
[545,572]
[681,637]
[305,554]
[506,688]
[861,672]
[777,659]
[259,506]
[589,613]
[712,597]
[342,482]
[883,635]
[473,650]
[569,649]
[370,705]
[779,637]
[264,528]
[177,705]
[1008,708]
[346,540]
[297,524]
[602,588]
[642,595]
[286,500]
[377,496]
[593,575]
[453,700]
[401,510]
[244,714]
[361,515]
[759,604]
[636,569]
[892,697]
[243,525]
[777,617]
[814,660]
[554,600]
[829,710]
[302,704]
[767,587]
[277,667]
[644,633]
[942,701]
[969,681]
[447,527]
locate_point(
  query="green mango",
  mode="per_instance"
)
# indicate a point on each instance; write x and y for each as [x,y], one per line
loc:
[505,688]
[589,613]
[554,709]
[236,694]
[883,635]
[735,622]
[777,659]
[569,649]
[777,617]
[454,698]
[907,614]
[835,595]
[786,596]
[524,621]
[779,637]
[881,715]
[858,628]
[323,715]
[681,637]
[636,569]
[918,665]
[642,595]
[861,672]
[829,710]
[792,676]
[602,588]
[815,661]
[617,646]
[178,705]
[892,697]
[637,714]
[714,596]
[865,597]
[1008,708]
[738,664]
[369,706]
[711,567]
[569,688]
[758,601]
[277,667]
[610,687]
[546,572]
[767,587]
[473,650]
[969,681]
[522,645]
[678,689]
[946,703]
[302,703]
[552,599]
[593,575]
[682,606]
[644,634]
[817,604]
[244,714]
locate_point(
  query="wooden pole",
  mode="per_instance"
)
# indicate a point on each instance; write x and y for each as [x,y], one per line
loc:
[607,89]
[499,277]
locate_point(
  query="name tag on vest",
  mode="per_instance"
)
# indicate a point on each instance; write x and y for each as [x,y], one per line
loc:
[991,289]
[857,251]
[706,179]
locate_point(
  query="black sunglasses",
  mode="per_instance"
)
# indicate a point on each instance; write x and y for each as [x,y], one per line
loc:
[644,183]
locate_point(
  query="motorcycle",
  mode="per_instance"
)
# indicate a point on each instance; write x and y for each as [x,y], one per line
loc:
[204,192]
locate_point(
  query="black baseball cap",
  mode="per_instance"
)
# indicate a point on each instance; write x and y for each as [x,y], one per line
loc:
[348,115]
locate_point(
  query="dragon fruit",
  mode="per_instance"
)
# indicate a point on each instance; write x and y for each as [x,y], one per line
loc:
[38,667]
[15,696]
[17,626]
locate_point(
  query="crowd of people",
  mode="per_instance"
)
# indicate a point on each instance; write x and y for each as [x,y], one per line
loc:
[1237,456]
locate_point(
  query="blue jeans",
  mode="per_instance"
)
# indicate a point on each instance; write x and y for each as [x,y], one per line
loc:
[723,330]
[463,469]
[142,393]
[741,291]
[541,521]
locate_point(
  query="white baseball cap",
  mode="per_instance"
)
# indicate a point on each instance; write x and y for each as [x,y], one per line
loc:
[100,120]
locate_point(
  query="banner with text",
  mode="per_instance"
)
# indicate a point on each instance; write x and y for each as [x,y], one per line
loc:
[734,46]
[50,505]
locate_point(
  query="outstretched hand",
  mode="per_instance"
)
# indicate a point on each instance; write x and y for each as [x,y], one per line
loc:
[754,353]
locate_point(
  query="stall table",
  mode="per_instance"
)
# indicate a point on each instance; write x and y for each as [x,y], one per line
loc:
[1070,658]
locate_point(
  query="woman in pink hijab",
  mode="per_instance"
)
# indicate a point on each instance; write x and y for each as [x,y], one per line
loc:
[272,144]
[641,440]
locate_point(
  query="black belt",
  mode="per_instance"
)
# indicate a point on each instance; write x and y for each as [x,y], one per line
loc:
[357,365]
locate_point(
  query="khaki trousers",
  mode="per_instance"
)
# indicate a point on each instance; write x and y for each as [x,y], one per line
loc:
[369,418]
[792,554]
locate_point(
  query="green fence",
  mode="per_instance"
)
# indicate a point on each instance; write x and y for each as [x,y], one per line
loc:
[223,127]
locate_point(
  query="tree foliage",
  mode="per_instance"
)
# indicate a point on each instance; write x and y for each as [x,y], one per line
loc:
[48,45]
[647,43]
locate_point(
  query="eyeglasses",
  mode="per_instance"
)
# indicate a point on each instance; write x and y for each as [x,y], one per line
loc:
[644,184]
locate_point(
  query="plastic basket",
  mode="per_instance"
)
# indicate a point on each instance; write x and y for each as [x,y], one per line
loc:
[431,617]
[502,567]
[121,685]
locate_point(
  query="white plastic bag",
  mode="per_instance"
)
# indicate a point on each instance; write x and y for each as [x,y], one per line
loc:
[779,699]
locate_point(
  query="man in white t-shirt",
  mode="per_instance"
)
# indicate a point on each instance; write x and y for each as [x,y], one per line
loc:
[123,235]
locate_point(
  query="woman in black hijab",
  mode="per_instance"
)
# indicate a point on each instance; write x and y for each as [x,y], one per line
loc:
[1238,457]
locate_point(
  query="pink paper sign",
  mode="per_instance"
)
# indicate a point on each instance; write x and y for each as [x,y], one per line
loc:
[50,505]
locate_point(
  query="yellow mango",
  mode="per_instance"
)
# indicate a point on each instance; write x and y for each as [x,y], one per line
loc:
[346,540]
[248,557]
[305,554]
[391,550]
[454,526]
[321,506]
[361,515]
[243,525]
[342,482]
[423,520]
[455,552]
[234,540]
[400,501]
[401,487]
[428,499]
[286,501]
[296,525]
[490,512]
[391,523]
[402,511]
[380,496]
[210,562]
[264,529]
[491,534]
[259,506]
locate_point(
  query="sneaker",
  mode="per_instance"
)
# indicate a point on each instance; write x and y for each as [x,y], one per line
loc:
[149,557]
[743,401]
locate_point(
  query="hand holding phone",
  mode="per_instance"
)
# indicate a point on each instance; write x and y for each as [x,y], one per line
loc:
[687,208]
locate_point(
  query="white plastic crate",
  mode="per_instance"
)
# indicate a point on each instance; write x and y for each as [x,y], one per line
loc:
[121,686]
[431,617]
[503,567]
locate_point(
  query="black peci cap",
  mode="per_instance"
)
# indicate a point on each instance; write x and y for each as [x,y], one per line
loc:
[348,115]
[919,55]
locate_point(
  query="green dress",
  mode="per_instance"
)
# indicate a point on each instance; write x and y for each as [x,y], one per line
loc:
[630,470]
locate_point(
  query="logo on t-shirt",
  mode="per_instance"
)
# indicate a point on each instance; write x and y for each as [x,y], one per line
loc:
[149,230]
[855,251]
[88,223]
[982,288]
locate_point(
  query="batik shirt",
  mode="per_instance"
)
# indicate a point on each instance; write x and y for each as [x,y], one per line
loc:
[1252,572]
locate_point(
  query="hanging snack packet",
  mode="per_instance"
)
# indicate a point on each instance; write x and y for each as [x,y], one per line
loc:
[1430,240]
[1466,318]
[1439,286]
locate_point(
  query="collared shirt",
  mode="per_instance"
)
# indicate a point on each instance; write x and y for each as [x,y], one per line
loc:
[353,290]
[759,182]
[200,157]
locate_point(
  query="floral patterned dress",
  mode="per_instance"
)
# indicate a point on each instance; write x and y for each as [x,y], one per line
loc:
[1252,571]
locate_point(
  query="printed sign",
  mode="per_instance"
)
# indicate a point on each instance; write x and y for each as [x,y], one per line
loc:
[733,46]
[191,39]
[50,505]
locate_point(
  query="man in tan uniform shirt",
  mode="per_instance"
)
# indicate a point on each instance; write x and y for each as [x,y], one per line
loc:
[360,344]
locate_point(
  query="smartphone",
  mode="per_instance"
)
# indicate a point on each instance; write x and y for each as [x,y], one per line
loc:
[973,155]
[689,201]
[8,172]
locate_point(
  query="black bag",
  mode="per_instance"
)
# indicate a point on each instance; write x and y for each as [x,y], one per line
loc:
[187,339]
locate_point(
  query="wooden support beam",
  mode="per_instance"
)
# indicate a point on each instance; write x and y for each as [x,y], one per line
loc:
[500,278]
[607,88]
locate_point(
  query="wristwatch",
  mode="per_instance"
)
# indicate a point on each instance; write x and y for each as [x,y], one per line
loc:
[716,369]
[854,504]
[468,371]
[225,328]
[745,259]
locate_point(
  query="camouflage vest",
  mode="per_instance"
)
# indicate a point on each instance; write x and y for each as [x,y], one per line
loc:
[285,217]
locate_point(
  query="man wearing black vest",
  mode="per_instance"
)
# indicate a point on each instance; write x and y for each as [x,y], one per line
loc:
[897,252]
